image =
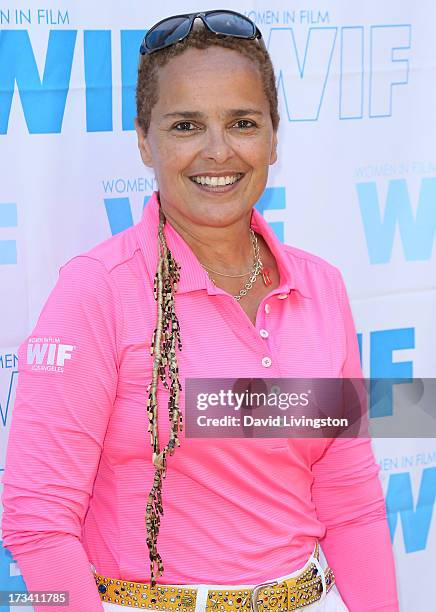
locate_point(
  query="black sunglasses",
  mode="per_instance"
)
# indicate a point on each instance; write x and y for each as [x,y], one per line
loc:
[174,29]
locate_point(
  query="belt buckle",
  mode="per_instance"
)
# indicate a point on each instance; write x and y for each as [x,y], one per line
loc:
[255,593]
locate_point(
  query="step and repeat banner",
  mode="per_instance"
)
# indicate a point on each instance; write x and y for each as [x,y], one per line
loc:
[355,183]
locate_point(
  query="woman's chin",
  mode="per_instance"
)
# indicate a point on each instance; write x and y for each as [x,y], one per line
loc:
[212,215]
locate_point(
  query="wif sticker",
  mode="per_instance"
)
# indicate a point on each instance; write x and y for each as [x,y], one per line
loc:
[48,354]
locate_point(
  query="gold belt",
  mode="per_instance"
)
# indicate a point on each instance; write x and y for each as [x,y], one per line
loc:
[301,590]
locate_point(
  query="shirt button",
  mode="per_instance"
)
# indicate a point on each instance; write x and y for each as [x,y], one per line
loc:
[282,296]
[266,362]
[263,333]
[267,308]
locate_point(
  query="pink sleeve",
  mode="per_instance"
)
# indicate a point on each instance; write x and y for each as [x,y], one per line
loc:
[350,502]
[66,389]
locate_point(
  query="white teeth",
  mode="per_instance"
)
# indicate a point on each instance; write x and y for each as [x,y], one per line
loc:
[216,181]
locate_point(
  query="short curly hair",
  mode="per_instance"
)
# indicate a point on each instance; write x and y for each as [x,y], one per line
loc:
[201,38]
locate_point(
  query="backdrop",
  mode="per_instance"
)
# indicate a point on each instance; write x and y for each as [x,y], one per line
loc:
[355,183]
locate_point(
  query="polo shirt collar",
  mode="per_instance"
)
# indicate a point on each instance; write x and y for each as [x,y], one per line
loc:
[193,276]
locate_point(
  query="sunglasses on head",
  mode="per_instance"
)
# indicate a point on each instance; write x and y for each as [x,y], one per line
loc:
[174,29]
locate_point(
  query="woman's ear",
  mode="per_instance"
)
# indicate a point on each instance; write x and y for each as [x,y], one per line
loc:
[143,145]
[273,156]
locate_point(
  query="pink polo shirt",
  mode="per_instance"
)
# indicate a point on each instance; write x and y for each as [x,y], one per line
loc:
[79,468]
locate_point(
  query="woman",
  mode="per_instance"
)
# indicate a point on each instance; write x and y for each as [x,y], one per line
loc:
[201,287]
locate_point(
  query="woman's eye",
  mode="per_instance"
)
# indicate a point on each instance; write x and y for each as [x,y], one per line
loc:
[184,126]
[245,123]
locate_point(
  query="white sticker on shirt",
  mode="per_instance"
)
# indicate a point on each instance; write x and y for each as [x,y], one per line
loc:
[48,354]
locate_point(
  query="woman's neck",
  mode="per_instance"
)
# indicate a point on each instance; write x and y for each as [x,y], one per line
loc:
[224,249]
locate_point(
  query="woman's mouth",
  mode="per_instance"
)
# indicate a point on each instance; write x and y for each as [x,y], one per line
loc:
[216,184]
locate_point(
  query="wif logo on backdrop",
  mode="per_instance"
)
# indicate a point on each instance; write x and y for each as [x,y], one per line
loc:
[383,364]
[44,99]
[417,230]
[416,518]
[48,354]
[304,70]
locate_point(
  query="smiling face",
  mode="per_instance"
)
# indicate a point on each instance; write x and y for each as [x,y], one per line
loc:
[210,140]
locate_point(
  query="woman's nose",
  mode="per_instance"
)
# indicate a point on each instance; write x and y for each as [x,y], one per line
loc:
[216,146]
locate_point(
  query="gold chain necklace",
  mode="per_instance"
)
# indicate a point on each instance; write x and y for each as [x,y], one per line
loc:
[227,275]
[255,271]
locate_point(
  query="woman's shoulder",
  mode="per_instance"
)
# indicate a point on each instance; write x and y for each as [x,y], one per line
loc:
[108,254]
[312,269]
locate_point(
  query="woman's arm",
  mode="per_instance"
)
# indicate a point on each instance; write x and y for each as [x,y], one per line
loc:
[68,370]
[350,502]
